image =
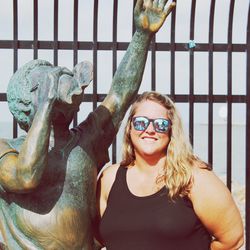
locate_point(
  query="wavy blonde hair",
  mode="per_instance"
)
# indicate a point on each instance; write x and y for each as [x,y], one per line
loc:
[180,158]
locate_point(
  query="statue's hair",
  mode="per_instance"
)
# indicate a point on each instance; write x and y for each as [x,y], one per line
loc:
[180,158]
[19,94]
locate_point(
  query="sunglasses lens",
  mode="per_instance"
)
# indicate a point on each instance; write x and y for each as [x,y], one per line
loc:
[140,123]
[161,125]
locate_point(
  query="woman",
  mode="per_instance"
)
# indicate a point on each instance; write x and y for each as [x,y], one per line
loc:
[162,196]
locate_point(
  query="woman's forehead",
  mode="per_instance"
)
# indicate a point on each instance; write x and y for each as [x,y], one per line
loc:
[151,109]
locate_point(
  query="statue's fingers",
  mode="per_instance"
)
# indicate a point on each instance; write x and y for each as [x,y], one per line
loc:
[169,8]
[65,70]
[52,94]
[148,4]
[54,76]
[56,70]
[162,4]
[138,6]
[155,3]
[83,73]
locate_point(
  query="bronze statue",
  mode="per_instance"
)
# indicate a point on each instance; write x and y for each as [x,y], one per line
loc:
[48,177]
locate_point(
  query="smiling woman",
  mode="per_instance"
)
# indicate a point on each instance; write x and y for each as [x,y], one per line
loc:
[148,141]
[158,196]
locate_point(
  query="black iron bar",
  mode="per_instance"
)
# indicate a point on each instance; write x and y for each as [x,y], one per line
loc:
[35,29]
[114,65]
[247,211]
[95,48]
[210,82]
[15,54]
[229,93]
[191,75]
[75,44]
[55,42]
[172,54]
[178,98]
[153,64]
[88,45]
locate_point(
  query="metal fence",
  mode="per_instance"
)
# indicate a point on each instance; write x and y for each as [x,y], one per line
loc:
[171,45]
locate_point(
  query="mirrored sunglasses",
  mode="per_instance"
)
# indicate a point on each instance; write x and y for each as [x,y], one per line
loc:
[160,125]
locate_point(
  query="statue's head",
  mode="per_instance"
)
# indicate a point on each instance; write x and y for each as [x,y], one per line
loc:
[19,92]
[25,87]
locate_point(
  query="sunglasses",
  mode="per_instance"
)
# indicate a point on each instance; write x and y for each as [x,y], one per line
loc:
[160,125]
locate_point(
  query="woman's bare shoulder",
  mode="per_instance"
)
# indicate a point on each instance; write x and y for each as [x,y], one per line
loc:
[202,171]
[207,183]
[109,172]
[107,176]
[106,179]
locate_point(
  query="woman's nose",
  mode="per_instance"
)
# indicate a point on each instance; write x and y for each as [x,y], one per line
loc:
[150,128]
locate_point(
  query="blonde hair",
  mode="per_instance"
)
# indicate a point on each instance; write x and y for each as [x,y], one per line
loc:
[180,158]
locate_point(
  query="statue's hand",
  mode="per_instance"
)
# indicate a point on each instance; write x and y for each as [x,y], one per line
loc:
[53,80]
[149,15]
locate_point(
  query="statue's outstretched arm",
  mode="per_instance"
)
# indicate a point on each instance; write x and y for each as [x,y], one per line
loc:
[21,171]
[149,16]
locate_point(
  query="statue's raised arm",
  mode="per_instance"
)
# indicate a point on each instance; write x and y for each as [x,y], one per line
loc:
[149,16]
[21,169]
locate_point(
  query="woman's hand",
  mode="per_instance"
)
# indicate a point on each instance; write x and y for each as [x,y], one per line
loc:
[150,15]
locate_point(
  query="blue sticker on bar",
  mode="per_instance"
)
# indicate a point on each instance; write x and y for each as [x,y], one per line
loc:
[191,44]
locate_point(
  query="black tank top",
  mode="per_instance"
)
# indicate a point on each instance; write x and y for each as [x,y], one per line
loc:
[154,222]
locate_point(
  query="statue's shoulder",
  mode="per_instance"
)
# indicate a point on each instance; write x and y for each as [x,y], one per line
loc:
[14,143]
[5,148]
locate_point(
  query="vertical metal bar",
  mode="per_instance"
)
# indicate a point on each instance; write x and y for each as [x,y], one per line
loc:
[55,32]
[15,33]
[153,64]
[210,77]
[95,28]
[247,216]
[75,44]
[133,23]
[35,30]
[75,34]
[229,96]
[172,53]
[114,61]
[15,48]
[191,75]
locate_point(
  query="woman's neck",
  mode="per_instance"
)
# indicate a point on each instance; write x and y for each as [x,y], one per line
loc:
[146,177]
[150,164]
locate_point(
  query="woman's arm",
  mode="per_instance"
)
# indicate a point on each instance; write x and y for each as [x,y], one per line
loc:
[104,185]
[214,205]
